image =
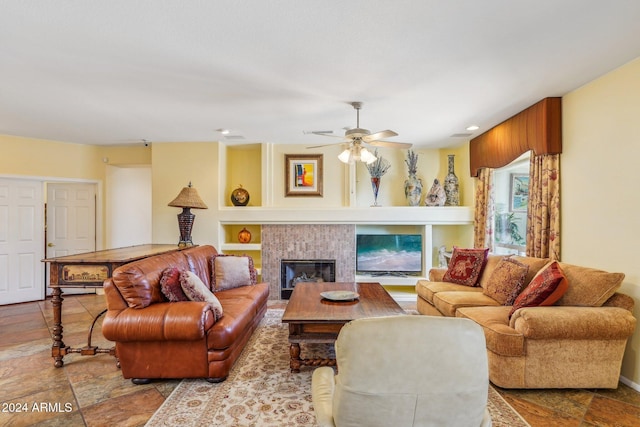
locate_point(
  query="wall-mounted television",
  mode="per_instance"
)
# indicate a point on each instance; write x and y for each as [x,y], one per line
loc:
[389,254]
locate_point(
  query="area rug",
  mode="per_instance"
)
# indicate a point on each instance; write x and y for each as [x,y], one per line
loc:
[261,390]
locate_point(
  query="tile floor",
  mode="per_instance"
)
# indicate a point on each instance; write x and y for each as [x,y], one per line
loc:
[90,391]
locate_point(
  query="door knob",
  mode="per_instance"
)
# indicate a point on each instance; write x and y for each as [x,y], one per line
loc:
[51,245]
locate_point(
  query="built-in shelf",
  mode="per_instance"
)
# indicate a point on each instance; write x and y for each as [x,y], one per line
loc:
[416,215]
[241,247]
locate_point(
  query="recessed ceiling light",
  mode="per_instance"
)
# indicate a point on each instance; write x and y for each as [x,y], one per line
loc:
[473,127]
[224,131]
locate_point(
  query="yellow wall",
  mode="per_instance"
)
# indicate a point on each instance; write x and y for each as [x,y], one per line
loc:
[43,158]
[66,161]
[245,169]
[600,175]
[334,177]
[174,166]
[37,157]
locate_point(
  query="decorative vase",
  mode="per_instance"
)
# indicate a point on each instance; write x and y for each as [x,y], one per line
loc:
[451,188]
[240,196]
[375,185]
[244,236]
[413,190]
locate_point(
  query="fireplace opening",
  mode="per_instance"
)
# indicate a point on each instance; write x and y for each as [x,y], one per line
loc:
[294,271]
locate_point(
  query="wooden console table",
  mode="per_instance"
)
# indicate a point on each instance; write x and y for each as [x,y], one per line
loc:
[89,270]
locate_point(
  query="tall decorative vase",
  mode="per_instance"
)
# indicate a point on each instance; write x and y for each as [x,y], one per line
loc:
[413,190]
[375,185]
[451,186]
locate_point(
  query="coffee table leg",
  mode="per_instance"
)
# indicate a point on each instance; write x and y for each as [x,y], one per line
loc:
[294,353]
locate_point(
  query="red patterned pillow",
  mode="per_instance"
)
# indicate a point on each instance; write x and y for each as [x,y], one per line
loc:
[545,288]
[466,266]
[170,285]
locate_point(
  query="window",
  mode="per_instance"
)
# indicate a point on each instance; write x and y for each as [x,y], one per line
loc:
[511,192]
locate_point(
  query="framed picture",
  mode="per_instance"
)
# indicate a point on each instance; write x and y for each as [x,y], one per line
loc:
[519,194]
[303,175]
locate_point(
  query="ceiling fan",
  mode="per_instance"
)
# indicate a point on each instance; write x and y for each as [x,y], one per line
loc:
[358,138]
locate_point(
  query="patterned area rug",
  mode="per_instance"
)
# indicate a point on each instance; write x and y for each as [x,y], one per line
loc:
[261,390]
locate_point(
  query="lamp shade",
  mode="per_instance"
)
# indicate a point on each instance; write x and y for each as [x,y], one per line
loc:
[188,198]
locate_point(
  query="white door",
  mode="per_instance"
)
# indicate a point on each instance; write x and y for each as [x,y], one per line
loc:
[128,206]
[71,219]
[21,241]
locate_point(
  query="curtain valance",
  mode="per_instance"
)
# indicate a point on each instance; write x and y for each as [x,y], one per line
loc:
[538,128]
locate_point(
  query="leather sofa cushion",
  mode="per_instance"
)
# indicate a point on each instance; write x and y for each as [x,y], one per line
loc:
[139,281]
[198,260]
[427,289]
[449,302]
[240,306]
[500,337]
[168,321]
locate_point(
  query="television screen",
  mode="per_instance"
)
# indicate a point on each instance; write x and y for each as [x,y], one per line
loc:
[389,254]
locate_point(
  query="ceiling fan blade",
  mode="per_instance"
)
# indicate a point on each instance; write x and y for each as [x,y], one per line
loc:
[328,145]
[319,132]
[379,135]
[390,144]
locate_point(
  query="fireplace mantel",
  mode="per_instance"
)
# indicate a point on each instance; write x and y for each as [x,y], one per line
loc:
[415,215]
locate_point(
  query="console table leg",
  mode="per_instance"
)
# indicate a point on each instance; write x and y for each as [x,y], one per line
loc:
[294,353]
[58,349]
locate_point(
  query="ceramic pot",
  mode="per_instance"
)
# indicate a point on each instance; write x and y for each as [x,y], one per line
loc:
[244,236]
[240,196]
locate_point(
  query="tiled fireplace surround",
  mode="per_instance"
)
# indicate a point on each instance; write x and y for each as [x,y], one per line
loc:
[307,241]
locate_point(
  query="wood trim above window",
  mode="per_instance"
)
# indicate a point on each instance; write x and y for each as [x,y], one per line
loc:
[538,128]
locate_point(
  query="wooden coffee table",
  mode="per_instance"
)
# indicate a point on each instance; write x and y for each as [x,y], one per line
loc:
[314,319]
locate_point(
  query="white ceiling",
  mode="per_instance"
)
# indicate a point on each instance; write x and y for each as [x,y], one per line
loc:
[122,71]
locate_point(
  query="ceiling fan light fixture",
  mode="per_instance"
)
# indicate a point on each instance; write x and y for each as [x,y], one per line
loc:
[355,153]
[345,157]
[367,157]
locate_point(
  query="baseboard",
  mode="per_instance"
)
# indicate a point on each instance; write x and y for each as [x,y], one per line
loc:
[630,383]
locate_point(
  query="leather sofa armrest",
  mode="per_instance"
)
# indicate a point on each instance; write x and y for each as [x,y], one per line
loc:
[563,322]
[169,321]
[322,389]
[437,274]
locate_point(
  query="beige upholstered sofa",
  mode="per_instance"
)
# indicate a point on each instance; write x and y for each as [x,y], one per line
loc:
[405,371]
[578,342]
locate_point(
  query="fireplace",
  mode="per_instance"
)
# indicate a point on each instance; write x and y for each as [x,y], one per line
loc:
[294,271]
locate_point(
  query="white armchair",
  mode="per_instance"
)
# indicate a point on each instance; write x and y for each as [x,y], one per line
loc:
[405,371]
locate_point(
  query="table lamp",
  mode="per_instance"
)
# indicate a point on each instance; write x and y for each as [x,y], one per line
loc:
[187,199]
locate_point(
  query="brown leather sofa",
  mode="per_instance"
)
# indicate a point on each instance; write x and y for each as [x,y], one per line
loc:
[160,339]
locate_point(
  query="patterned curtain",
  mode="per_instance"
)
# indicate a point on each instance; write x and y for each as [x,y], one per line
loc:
[484,210]
[543,211]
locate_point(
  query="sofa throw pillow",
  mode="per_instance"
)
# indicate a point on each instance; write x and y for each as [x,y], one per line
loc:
[195,289]
[466,266]
[231,271]
[506,281]
[546,288]
[170,285]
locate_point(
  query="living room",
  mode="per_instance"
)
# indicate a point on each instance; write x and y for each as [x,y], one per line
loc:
[599,160]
